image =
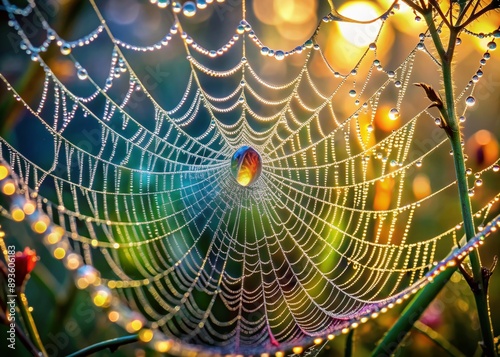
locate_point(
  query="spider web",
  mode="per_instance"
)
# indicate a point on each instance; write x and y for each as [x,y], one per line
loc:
[147,203]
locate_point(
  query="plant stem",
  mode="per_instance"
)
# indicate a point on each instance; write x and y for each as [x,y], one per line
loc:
[419,303]
[29,323]
[349,344]
[112,344]
[479,291]
[480,294]
[437,339]
[20,334]
[410,314]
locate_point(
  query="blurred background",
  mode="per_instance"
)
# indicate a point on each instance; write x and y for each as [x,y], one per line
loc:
[65,316]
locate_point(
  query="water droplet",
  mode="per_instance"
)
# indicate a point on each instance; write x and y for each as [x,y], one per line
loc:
[479,182]
[163,3]
[372,46]
[468,172]
[246,165]
[354,72]
[82,74]
[264,51]
[397,84]
[492,46]
[496,168]
[212,53]
[202,4]
[369,128]
[393,163]
[437,121]
[309,43]
[418,163]
[352,93]
[420,46]
[393,114]
[176,7]
[458,41]
[391,74]
[418,18]
[65,49]
[471,192]
[461,119]
[470,101]
[242,83]
[189,9]
[279,55]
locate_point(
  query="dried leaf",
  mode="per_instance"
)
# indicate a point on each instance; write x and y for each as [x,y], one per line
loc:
[432,95]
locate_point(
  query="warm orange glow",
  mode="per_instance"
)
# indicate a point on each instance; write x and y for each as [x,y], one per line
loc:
[59,253]
[384,121]
[134,325]
[294,20]
[18,214]
[295,11]
[487,24]
[359,35]
[4,172]
[113,316]
[163,346]
[483,137]
[82,283]
[41,225]
[29,208]
[55,236]
[483,148]
[101,298]
[421,186]
[9,188]
[73,261]
[383,194]
[404,18]
[297,350]
[146,335]
[347,42]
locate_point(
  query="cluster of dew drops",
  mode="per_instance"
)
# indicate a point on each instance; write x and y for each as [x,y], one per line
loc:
[190,8]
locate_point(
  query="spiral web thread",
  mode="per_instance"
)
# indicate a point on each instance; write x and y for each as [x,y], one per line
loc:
[152,215]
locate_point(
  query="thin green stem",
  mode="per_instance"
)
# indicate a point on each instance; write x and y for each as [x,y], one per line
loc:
[479,291]
[419,303]
[29,323]
[111,344]
[410,314]
[437,339]
[480,294]
[349,344]
[20,334]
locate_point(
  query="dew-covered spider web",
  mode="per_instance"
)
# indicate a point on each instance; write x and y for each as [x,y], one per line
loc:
[235,197]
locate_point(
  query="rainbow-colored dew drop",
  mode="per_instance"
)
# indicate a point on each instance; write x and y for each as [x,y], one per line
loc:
[246,165]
